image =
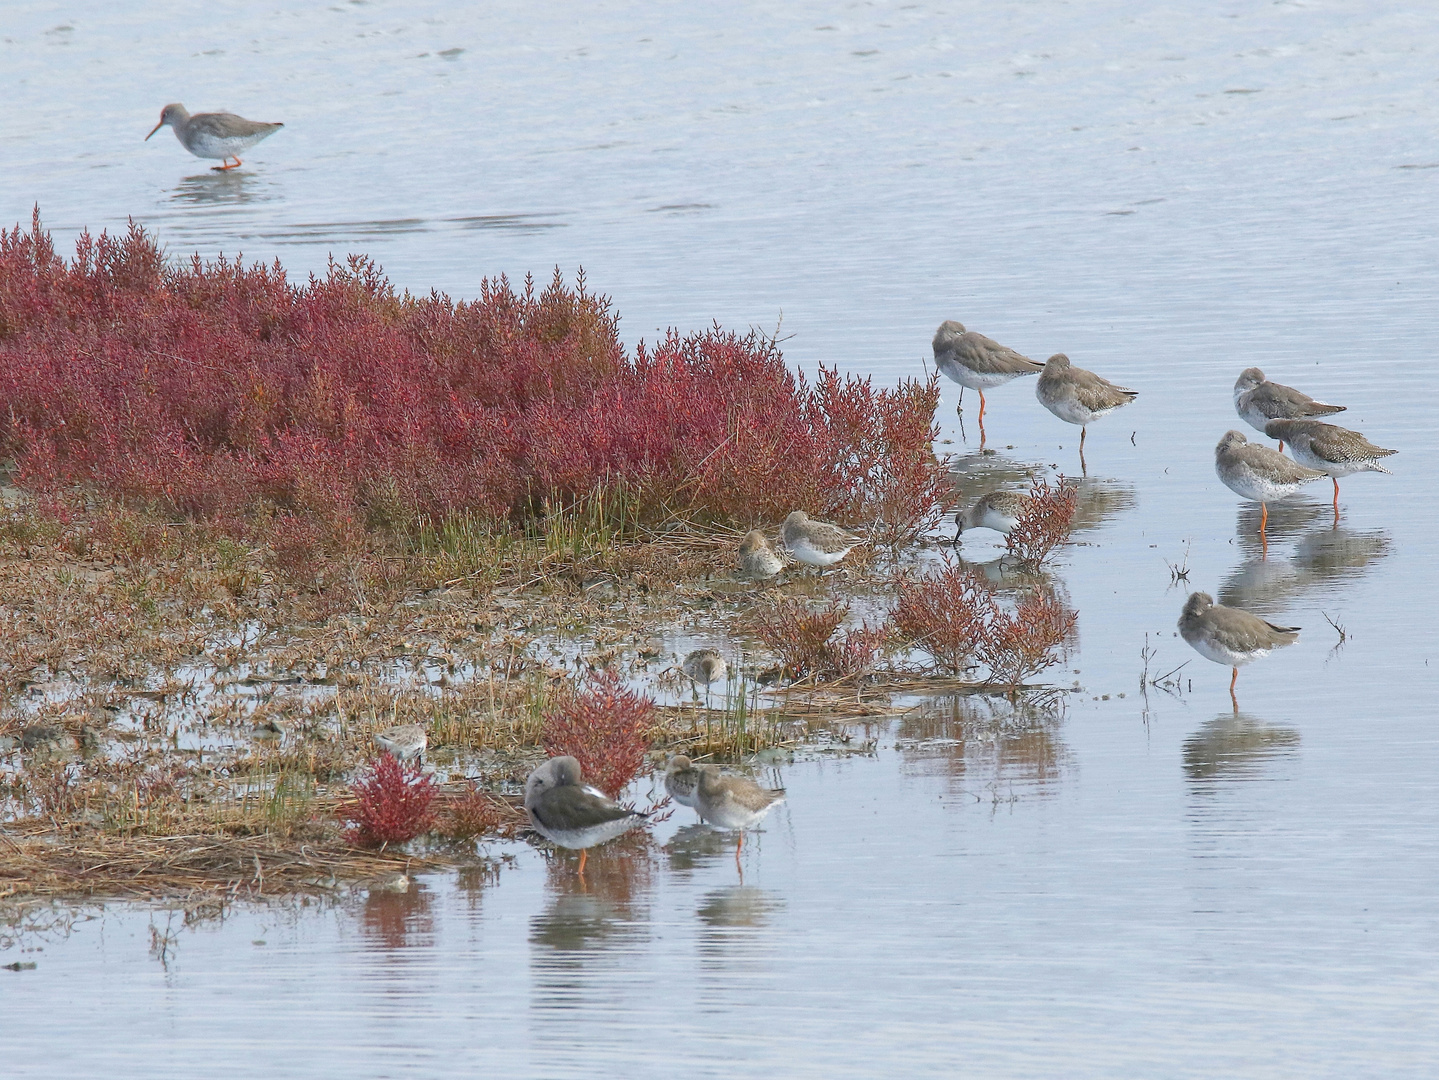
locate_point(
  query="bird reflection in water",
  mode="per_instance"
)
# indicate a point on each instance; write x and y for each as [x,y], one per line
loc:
[732,937]
[1286,521]
[1324,557]
[584,912]
[693,846]
[398,913]
[988,744]
[1234,747]
[222,189]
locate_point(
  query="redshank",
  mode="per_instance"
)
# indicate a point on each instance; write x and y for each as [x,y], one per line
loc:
[757,559]
[1078,396]
[1329,448]
[733,802]
[1229,636]
[977,362]
[817,543]
[1255,472]
[219,135]
[571,815]
[1258,401]
[999,510]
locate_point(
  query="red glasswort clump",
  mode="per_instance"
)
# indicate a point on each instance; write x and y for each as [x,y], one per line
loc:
[227,392]
[1022,644]
[606,729]
[804,638]
[1045,523]
[955,615]
[392,804]
[798,634]
[944,614]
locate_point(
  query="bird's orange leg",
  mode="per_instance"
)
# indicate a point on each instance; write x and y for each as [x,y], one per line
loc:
[1336,495]
[1263,521]
[1281,446]
[981,408]
[222,167]
[585,852]
[1083,468]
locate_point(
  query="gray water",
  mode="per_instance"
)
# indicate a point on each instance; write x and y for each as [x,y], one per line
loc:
[1130,886]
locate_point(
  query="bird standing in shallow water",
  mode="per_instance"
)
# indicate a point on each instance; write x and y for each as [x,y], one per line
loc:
[1078,396]
[977,362]
[703,667]
[1255,472]
[733,802]
[999,510]
[1229,636]
[571,815]
[1258,401]
[214,135]
[1329,448]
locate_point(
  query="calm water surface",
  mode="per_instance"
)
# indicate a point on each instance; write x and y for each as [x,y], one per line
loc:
[1127,887]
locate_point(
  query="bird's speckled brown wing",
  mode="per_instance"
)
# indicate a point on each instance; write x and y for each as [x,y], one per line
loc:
[1098,394]
[1273,465]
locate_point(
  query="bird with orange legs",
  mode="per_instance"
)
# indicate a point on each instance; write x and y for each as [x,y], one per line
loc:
[571,814]
[1329,448]
[1255,472]
[1258,401]
[977,362]
[1230,636]
[219,135]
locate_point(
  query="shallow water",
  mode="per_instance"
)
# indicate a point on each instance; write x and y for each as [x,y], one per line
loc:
[1135,886]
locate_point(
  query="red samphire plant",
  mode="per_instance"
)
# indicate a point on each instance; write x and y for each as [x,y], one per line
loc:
[226,392]
[1045,523]
[955,615]
[392,804]
[605,727]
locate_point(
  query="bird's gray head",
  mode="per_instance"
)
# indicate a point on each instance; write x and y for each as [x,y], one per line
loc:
[678,763]
[1197,604]
[172,114]
[944,338]
[1248,379]
[557,772]
[1278,429]
[1229,440]
[799,517]
[1057,362]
